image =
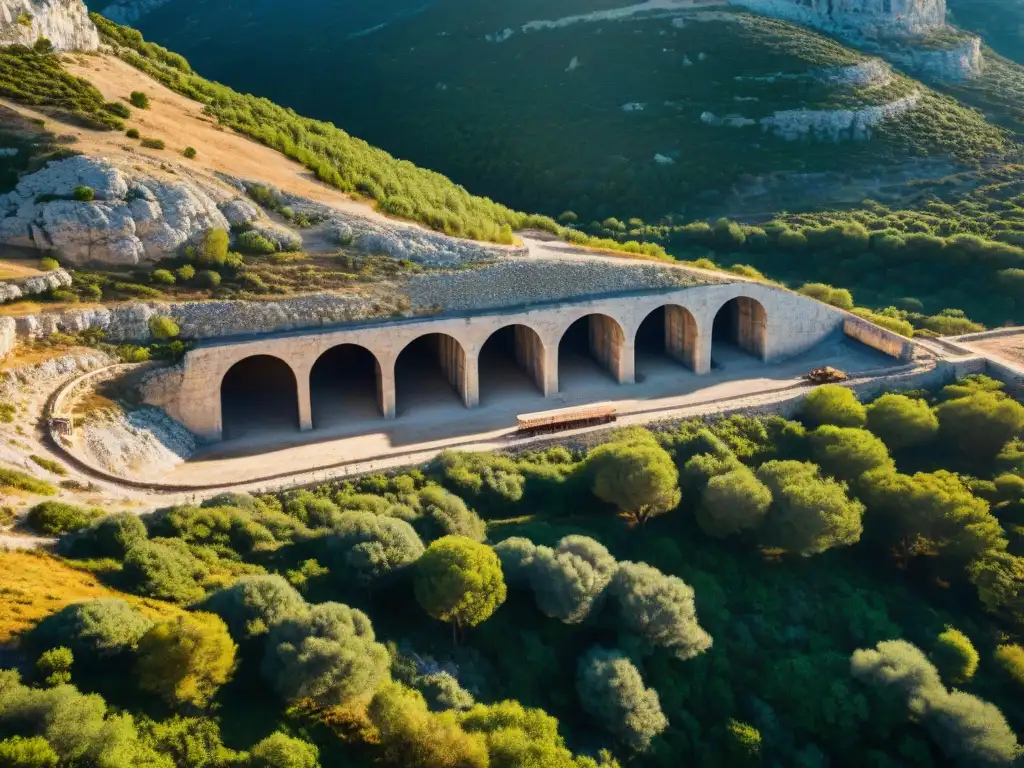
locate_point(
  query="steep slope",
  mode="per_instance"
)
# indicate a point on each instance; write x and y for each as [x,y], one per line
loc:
[601,108]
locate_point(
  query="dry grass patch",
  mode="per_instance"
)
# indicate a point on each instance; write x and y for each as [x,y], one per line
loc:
[11,269]
[34,584]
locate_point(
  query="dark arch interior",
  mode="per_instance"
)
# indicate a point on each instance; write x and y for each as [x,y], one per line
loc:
[739,327]
[502,373]
[258,394]
[343,386]
[420,378]
[576,361]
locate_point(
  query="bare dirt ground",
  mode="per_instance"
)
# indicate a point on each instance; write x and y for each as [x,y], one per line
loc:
[1008,348]
[17,268]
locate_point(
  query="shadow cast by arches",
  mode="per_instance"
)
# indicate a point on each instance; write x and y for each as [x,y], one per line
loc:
[590,349]
[511,365]
[740,327]
[344,386]
[259,394]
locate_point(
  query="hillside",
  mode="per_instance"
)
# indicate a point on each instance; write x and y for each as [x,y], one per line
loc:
[639,113]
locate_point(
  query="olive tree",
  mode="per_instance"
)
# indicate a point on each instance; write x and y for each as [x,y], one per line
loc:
[255,604]
[370,548]
[94,630]
[459,580]
[185,660]
[809,514]
[568,580]
[612,691]
[980,424]
[732,503]
[445,514]
[165,569]
[659,608]
[329,655]
[516,554]
[846,453]
[833,404]
[902,422]
[637,476]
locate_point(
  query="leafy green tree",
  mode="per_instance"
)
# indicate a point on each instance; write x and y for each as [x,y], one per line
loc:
[414,737]
[899,665]
[980,424]
[930,514]
[213,251]
[111,535]
[282,751]
[970,385]
[518,737]
[809,514]
[329,655]
[999,579]
[54,666]
[370,548]
[516,554]
[612,691]
[459,580]
[31,752]
[164,569]
[833,404]
[93,630]
[744,743]
[568,580]
[732,503]
[445,514]
[1010,658]
[971,732]
[55,518]
[846,453]
[185,660]
[255,604]
[955,656]
[660,609]
[902,422]
[442,691]
[190,742]
[637,476]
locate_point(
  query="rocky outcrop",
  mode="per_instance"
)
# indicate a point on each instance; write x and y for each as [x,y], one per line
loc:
[953,64]
[11,290]
[8,336]
[135,444]
[133,217]
[867,18]
[206,319]
[65,23]
[836,124]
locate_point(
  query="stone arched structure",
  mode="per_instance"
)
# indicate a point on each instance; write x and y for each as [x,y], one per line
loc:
[343,376]
[258,390]
[522,345]
[784,324]
[678,334]
[606,341]
[448,355]
[743,322]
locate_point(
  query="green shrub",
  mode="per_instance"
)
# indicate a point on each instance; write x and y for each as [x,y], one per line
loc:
[55,666]
[833,404]
[55,518]
[1011,659]
[214,248]
[7,516]
[7,412]
[83,194]
[150,143]
[163,328]
[93,630]
[185,273]
[254,242]
[162,277]
[49,465]
[208,279]
[117,108]
[133,133]
[955,656]
[48,265]
[12,478]
[139,100]
[190,152]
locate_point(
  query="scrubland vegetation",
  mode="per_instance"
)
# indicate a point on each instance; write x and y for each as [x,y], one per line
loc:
[841,589]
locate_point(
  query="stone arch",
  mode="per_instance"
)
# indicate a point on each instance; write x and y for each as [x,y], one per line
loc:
[510,359]
[600,338]
[428,369]
[258,393]
[669,330]
[740,323]
[345,384]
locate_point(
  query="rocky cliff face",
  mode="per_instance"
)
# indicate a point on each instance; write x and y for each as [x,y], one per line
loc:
[65,23]
[871,18]
[134,217]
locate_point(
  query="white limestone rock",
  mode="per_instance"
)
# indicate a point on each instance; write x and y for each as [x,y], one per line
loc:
[836,124]
[65,23]
[869,18]
[8,336]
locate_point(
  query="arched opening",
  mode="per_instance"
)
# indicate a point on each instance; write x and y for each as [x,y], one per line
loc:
[511,365]
[741,327]
[592,346]
[430,373]
[344,386]
[665,339]
[258,394]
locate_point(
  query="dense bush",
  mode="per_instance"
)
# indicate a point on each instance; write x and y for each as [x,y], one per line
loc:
[254,605]
[55,518]
[165,570]
[636,475]
[163,328]
[110,535]
[369,548]
[955,656]
[459,580]
[93,630]
[83,194]
[902,422]
[612,691]
[139,100]
[569,579]
[835,405]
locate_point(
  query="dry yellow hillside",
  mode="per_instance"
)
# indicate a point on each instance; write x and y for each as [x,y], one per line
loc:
[34,584]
